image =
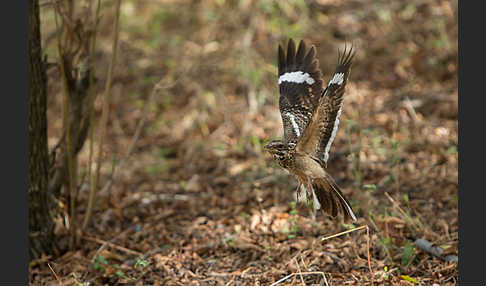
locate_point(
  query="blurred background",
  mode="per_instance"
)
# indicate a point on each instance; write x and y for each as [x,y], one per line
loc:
[198,197]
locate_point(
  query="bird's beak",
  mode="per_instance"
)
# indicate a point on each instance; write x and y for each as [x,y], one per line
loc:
[265,147]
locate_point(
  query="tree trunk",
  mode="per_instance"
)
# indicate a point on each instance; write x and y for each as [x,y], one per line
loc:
[40,219]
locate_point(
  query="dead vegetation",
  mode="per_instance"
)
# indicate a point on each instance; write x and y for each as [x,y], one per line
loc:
[199,203]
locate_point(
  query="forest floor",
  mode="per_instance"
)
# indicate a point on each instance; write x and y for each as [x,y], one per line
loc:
[199,201]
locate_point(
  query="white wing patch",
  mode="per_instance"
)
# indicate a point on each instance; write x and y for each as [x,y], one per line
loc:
[333,135]
[294,123]
[337,79]
[296,77]
[317,205]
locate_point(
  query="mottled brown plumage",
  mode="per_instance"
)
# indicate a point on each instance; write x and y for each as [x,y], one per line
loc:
[310,116]
[298,100]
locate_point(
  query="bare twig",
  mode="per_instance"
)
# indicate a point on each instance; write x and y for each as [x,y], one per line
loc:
[369,259]
[344,232]
[301,273]
[49,3]
[121,234]
[91,120]
[112,245]
[104,115]
[325,279]
[402,212]
[53,272]
[58,178]
[229,282]
[411,110]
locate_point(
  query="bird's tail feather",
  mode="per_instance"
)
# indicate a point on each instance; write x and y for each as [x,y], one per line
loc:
[331,199]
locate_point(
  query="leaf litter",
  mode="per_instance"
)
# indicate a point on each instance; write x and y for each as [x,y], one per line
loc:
[199,203]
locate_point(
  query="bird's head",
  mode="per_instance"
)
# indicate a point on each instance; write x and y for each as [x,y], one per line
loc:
[278,149]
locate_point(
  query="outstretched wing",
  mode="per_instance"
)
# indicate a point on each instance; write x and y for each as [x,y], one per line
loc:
[319,135]
[300,84]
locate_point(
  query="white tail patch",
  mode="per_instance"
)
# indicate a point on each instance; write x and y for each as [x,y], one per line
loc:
[294,123]
[296,77]
[333,135]
[317,205]
[337,79]
[347,206]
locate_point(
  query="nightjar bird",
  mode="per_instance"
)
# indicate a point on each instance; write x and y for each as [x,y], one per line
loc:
[310,115]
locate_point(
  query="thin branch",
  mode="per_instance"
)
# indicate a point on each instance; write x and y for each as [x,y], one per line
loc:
[104,115]
[403,213]
[301,273]
[344,232]
[121,234]
[325,279]
[58,178]
[112,245]
[53,272]
[92,186]
[369,259]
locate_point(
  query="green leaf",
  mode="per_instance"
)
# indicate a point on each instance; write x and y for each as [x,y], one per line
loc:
[385,240]
[408,278]
[293,204]
[140,262]
[407,254]
[228,240]
[99,263]
[370,187]
[452,150]
[120,273]
[405,197]
[102,259]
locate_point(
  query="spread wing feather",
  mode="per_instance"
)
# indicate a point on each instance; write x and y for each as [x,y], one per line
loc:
[319,134]
[300,85]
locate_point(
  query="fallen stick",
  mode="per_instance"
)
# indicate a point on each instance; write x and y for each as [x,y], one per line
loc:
[53,272]
[434,250]
[344,232]
[299,273]
[112,245]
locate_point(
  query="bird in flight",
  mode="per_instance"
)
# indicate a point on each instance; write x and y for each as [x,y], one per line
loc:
[310,116]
